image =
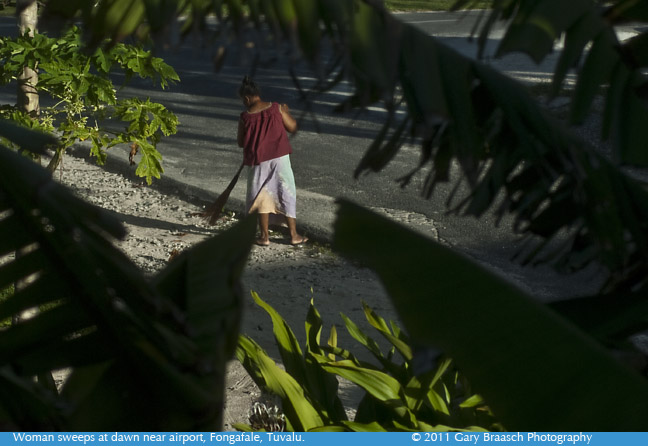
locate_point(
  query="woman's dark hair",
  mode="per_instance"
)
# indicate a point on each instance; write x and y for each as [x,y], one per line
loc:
[248,88]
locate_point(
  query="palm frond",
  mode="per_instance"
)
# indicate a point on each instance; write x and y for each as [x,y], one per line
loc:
[143,354]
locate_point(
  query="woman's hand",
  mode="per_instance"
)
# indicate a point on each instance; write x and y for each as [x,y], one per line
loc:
[288,121]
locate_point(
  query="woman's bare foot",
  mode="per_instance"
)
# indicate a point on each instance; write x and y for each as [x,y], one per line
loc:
[298,240]
[264,234]
[295,238]
[262,242]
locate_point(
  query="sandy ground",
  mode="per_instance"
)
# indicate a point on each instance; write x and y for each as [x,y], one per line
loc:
[285,276]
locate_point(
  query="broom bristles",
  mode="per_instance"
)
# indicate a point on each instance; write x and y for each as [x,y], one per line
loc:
[215,209]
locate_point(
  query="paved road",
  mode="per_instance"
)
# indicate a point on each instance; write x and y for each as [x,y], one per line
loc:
[203,156]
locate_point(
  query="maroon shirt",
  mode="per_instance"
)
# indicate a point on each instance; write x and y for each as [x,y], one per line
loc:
[264,136]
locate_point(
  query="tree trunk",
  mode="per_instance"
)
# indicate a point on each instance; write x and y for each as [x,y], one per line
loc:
[28,101]
[26,11]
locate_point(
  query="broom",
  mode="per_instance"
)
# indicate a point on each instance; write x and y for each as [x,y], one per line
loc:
[214,210]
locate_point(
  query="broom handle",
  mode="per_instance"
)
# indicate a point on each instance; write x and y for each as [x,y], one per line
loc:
[236,177]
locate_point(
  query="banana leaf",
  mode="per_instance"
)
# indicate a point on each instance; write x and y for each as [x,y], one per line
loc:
[535,370]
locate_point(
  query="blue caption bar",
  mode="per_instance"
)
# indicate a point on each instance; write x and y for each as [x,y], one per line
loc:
[321,439]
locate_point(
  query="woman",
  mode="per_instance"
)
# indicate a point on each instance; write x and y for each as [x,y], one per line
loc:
[266,151]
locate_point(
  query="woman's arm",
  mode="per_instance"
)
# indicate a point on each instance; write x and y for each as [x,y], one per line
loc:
[240,134]
[288,121]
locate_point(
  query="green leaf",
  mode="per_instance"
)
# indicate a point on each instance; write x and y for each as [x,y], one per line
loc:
[379,324]
[420,390]
[247,352]
[384,388]
[313,329]
[437,401]
[291,353]
[294,402]
[332,341]
[507,344]
[362,338]
[150,164]
[101,61]
[371,345]
[473,401]
[322,388]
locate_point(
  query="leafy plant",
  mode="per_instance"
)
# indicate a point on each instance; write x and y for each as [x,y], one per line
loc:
[397,396]
[144,354]
[85,103]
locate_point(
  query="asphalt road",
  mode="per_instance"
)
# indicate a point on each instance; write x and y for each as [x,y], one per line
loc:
[202,157]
